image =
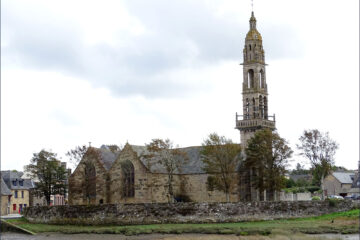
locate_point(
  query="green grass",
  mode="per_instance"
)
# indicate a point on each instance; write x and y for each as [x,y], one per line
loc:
[342,222]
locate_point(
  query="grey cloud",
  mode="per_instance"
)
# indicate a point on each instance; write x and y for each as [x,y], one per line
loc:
[140,68]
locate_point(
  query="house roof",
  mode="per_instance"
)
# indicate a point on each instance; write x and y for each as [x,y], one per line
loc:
[344,177]
[4,189]
[13,179]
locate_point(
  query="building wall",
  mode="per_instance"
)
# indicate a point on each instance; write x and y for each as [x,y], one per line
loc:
[141,179]
[334,187]
[149,187]
[5,205]
[77,183]
[153,187]
[21,199]
[35,200]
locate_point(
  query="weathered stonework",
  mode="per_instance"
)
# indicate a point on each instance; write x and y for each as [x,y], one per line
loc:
[77,183]
[151,213]
[150,184]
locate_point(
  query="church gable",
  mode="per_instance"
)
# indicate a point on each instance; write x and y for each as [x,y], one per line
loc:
[88,182]
[128,177]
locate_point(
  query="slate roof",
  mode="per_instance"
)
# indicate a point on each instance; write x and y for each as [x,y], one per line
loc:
[10,176]
[193,165]
[4,189]
[344,177]
[107,156]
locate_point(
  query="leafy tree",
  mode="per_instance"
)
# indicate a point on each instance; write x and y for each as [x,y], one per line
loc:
[320,150]
[163,152]
[221,158]
[289,183]
[268,154]
[51,176]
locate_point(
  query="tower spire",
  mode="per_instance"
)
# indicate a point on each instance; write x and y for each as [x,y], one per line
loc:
[254,91]
[252,21]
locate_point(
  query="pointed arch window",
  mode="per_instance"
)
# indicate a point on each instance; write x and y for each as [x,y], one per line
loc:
[250,78]
[128,179]
[90,182]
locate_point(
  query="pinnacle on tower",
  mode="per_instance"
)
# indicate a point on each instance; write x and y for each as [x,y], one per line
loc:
[252,21]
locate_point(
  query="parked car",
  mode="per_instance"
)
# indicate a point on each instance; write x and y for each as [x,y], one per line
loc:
[335,197]
[353,196]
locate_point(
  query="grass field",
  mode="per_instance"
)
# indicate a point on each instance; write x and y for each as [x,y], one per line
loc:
[343,222]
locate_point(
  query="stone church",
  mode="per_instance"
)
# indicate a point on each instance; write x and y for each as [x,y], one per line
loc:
[105,175]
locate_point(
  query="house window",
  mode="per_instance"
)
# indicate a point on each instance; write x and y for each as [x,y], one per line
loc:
[25,205]
[14,182]
[22,194]
[128,179]
[16,194]
[14,207]
[21,183]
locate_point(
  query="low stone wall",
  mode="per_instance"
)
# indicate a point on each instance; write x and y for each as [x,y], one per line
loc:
[151,213]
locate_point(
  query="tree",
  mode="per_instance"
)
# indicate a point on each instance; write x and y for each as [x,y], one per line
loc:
[51,176]
[300,170]
[163,152]
[268,155]
[76,154]
[221,158]
[320,150]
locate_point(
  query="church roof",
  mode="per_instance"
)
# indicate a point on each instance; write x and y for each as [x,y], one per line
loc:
[192,165]
[253,34]
[107,157]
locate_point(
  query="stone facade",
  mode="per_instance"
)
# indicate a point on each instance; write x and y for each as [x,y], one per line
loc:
[154,213]
[340,183]
[5,198]
[150,183]
[255,103]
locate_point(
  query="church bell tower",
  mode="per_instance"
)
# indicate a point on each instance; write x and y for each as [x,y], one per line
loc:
[254,88]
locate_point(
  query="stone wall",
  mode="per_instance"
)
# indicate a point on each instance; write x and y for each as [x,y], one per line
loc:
[151,213]
[5,209]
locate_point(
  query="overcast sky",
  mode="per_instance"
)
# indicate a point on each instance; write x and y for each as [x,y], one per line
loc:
[111,72]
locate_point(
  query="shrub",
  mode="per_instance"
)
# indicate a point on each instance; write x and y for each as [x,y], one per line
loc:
[315,198]
[332,202]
